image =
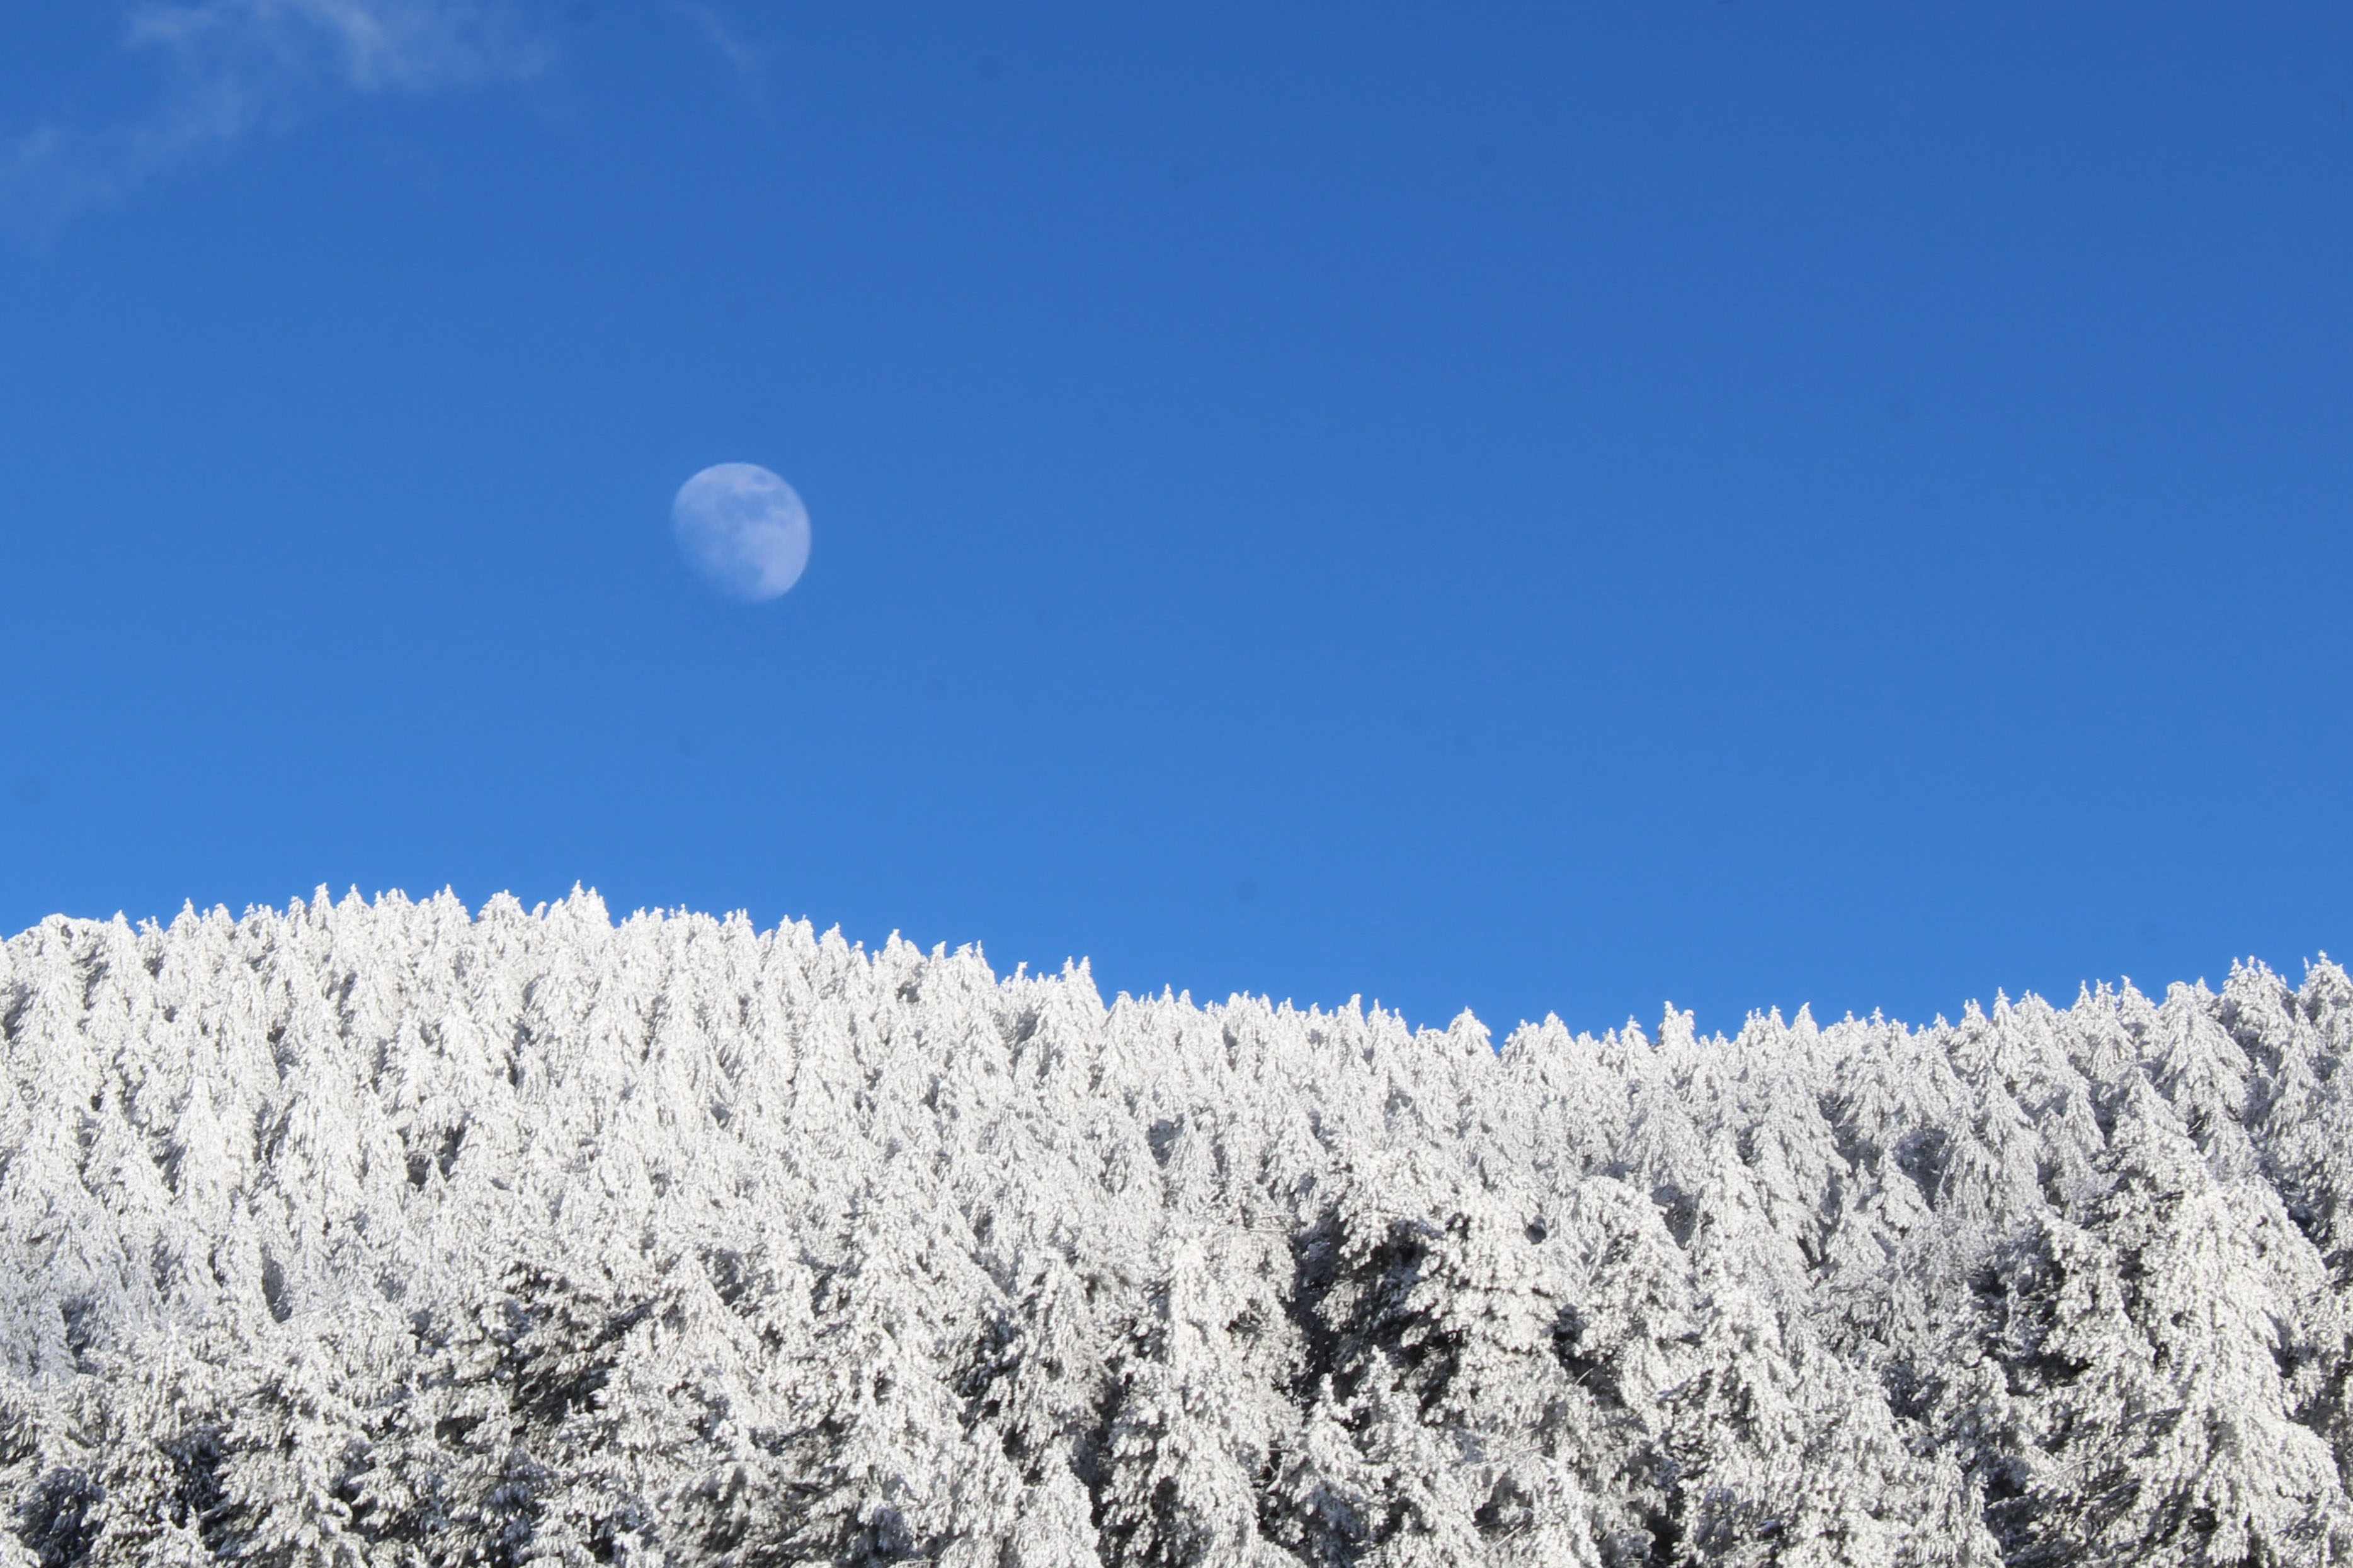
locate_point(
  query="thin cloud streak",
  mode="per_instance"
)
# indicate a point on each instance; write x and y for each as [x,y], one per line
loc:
[234,66]
[749,62]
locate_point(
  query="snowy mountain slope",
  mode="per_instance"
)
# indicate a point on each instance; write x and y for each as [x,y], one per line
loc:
[388,1234]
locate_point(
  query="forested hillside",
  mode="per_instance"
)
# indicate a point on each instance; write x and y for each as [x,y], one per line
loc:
[389,1234]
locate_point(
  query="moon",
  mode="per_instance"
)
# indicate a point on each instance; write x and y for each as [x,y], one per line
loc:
[743,528]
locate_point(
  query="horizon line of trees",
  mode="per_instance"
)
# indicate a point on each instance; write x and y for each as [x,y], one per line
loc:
[394,1233]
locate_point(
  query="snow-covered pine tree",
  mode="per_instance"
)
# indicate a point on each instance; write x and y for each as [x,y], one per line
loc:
[384,1233]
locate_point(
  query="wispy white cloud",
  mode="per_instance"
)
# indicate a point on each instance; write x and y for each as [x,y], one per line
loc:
[749,60]
[232,67]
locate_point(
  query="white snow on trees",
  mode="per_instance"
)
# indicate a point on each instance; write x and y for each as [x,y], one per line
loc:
[391,1234]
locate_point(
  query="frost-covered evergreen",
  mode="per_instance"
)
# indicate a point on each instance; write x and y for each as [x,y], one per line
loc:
[388,1234]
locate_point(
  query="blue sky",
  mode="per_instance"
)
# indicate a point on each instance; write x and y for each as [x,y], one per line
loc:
[1474,505]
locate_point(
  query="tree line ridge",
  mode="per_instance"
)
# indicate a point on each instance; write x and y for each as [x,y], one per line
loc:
[394,1233]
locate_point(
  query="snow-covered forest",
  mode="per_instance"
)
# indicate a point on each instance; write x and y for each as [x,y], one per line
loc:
[388,1234]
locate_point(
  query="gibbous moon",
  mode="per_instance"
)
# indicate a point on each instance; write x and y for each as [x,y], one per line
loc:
[743,528]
